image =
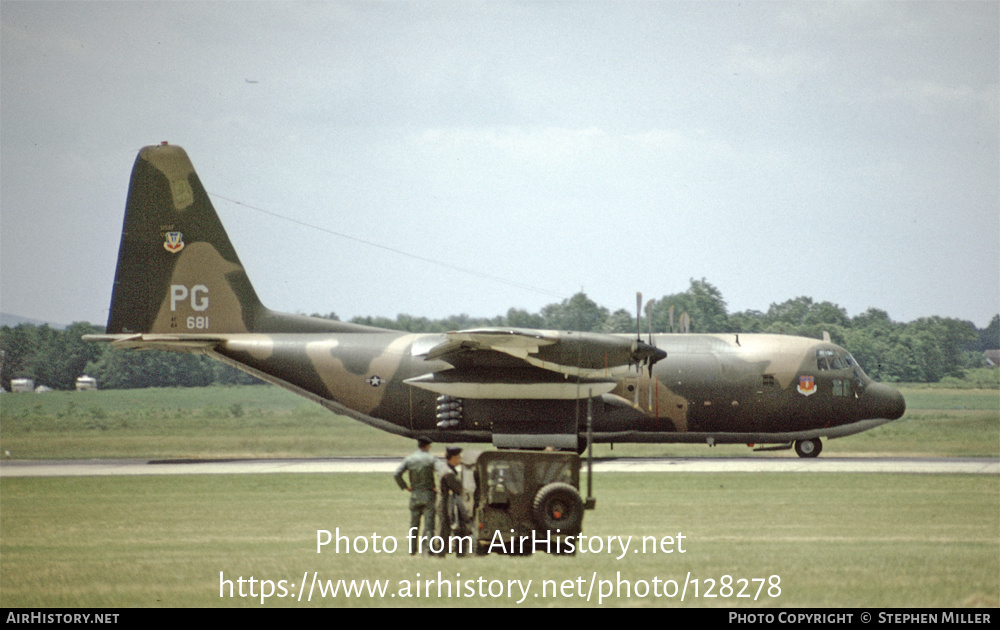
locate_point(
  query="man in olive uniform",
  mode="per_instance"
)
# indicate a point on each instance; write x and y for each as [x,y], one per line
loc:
[421,466]
[454,516]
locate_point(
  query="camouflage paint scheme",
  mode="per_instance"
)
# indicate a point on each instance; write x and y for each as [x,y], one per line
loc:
[180,286]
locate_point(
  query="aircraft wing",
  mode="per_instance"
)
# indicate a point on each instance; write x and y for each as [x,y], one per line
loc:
[517,342]
[520,363]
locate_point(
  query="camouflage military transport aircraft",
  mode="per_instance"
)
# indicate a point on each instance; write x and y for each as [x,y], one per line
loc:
[179,286]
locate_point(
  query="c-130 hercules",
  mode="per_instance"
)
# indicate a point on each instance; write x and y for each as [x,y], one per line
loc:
[179,286]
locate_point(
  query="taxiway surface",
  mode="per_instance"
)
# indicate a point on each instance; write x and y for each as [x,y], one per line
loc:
[71,468]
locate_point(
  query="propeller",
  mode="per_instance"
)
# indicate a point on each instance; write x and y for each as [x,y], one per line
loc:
[642,352]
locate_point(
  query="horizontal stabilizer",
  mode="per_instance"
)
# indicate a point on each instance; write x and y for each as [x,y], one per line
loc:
[171,343]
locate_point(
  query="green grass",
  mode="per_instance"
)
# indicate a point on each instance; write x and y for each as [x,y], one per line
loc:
[265,421]
[251,421]
[833,540]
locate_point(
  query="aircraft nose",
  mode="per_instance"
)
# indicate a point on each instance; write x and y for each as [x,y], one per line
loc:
[882,401]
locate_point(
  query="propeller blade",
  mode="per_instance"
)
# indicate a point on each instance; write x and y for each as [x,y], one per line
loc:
[638,315]
[649,321]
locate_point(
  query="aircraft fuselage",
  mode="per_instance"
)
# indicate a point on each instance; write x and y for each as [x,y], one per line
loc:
[180,286]
[721,388]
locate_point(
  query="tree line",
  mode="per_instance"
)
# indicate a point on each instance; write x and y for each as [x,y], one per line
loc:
[56,358]
[926,350]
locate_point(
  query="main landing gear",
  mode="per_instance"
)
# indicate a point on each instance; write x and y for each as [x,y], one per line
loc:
[808,448]
[803,448]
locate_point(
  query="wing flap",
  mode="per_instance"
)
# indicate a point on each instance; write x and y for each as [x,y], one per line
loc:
[522,384]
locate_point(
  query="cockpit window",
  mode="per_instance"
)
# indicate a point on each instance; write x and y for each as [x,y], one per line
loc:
[833,360]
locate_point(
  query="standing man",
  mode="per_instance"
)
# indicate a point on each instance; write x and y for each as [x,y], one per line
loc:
[421,465]
[454,516]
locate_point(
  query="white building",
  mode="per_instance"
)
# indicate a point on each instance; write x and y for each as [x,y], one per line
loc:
[22,385]
[86,383]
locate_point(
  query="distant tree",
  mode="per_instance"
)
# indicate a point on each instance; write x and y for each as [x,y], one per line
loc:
[463,321]
[576,313]
[792,311]
[947,346]
[20,346]
[873,318]
[704,304]
[708,309]
[879,352]
[621,321]
[134,369]
[330,315]
[51,357]
[827,313]
[802,310]
[747,321]
[989,337]
[410,323]
[377,322]
[520,318]
[65,356]
[226,375]
[925,350]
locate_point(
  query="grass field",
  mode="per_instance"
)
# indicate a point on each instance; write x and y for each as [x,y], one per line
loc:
[265,421]
[822,540]
[818,540]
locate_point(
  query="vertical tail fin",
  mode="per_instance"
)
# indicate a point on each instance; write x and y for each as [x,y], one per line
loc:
[177,270]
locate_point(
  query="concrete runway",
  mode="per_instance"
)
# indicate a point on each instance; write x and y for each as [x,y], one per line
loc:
[112,467]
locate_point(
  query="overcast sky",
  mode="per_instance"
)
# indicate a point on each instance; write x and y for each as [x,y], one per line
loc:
[516,152]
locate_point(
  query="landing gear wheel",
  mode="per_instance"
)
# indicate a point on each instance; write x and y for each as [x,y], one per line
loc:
[808,448]
[558,506]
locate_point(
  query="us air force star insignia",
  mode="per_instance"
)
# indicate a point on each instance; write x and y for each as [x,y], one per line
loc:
[374,381]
